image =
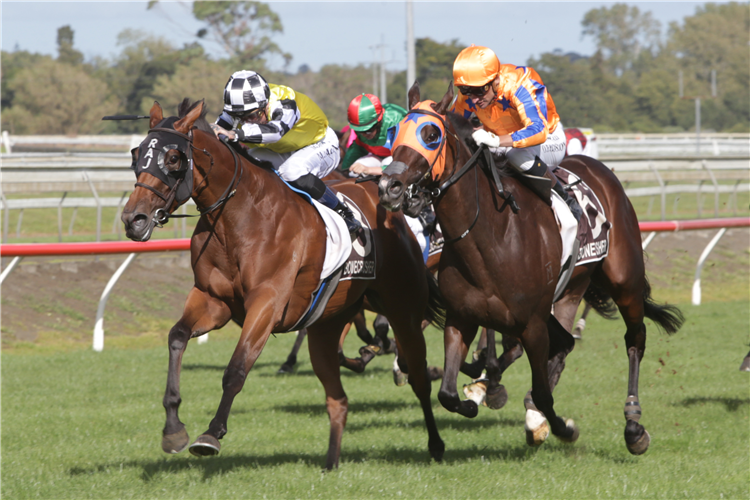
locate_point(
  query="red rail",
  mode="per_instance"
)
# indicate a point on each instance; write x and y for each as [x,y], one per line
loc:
[32,249]
[106,247]
[684,225]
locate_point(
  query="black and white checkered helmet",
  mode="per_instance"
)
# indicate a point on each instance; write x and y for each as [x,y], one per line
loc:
[245,91]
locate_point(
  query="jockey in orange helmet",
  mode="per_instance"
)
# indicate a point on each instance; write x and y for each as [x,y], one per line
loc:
[517,113]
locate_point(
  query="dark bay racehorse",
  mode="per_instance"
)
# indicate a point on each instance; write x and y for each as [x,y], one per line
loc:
[499,268]
[257,255]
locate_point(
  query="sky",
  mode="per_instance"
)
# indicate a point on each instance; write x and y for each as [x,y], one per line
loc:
[335,32]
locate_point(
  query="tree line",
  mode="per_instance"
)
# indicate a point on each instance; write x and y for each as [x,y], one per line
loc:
[630,84]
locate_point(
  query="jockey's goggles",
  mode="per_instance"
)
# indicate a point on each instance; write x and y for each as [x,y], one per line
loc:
[475,91]
[250,116]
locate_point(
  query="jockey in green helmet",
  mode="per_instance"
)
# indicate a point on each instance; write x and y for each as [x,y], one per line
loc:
[370,120]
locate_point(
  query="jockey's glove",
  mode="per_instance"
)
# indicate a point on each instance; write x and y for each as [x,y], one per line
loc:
[482,136]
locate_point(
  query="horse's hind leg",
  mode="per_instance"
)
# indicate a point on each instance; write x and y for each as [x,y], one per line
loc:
[291,360]
[366,354]
[201,314]
[361,325]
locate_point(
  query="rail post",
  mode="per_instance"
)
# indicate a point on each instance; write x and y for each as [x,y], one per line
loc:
[663,190]
[699,267]
[99,325]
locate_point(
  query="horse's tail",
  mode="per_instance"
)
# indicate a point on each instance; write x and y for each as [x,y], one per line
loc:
[435,313]
[598,298]
[668,318]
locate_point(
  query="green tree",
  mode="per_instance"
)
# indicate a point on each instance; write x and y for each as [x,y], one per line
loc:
[132,76]
[56,98]
[434,70]
[621,33]
[242,29]
[200,79]
[716,38]
[66,53]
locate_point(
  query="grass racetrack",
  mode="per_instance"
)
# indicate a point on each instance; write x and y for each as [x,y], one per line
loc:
[80,424]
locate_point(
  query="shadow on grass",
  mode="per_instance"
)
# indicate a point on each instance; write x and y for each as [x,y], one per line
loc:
[731,404]
[211,467]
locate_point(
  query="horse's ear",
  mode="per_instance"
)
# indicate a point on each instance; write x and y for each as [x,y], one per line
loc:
[445,103]
[185,123]
[156,115]
[414,94]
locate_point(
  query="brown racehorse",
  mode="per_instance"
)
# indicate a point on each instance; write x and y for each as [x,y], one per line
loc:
[257,255]
[499,267]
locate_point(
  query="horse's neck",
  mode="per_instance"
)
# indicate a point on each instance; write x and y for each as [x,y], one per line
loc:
[252,184]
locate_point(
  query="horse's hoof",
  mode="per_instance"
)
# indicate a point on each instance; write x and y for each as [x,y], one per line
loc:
[469,408]
[496,399]
[476,391]
[437,450]
[205,446]
[285,369]
[571,427]
[434,373]
[538,436]
[400,378]
[175,443]
[745,366]
[537,428]
[640,446]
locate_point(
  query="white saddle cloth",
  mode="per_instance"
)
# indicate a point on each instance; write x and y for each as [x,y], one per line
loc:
[338,241]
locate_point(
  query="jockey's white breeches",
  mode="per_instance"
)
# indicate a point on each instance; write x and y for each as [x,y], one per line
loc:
[318,159]
[551,151]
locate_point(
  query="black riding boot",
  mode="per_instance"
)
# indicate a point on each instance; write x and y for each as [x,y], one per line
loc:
[540,179]
[330,200]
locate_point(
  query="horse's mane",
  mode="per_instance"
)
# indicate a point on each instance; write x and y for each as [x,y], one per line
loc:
[201,123]
[464,129]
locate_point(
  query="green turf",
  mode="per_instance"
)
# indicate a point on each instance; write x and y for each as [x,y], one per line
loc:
[81,424]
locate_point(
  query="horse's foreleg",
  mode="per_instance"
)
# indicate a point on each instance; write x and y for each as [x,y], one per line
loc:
[323,347]
[411,348]
[201,314]
[291,360]
[535,340]
[457,339]
[256,329]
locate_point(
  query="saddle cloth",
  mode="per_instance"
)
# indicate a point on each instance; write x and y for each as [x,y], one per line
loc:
[344,259]
[593,230]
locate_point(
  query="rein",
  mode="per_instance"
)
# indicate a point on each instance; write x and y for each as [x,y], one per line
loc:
[456,175]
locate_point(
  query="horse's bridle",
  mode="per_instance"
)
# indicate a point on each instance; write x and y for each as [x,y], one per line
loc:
[161,215]
[456,174]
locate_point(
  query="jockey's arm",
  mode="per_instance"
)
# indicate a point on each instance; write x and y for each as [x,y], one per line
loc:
[353,153]
[283,116]
[534,130]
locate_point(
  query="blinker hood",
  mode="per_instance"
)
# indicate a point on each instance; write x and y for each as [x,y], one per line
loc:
[152,151]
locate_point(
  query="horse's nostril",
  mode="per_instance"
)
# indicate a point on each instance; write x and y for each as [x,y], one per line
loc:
[139,220]
[395,188]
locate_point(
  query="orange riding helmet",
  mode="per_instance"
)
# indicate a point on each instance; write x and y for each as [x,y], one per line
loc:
[475,66]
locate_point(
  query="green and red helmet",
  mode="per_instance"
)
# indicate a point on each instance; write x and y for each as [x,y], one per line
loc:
[365,111]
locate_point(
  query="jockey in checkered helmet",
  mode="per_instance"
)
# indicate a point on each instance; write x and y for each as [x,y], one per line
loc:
[245,92]
[285,130]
